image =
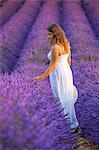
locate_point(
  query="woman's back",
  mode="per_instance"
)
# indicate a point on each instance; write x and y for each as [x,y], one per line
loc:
[63,57]
[62,51]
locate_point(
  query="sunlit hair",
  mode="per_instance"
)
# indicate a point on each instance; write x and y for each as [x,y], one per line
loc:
[59,36]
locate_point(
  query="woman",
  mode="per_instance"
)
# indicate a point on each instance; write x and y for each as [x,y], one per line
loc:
[60,74]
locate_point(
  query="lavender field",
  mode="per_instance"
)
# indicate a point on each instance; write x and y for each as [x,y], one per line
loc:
[31,118]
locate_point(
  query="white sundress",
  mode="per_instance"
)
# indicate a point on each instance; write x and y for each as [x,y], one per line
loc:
[61,80]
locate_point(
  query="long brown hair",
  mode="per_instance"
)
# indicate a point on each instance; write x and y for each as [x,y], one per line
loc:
[59,36]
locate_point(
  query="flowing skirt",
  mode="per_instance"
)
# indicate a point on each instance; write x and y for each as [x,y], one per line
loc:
[61,80]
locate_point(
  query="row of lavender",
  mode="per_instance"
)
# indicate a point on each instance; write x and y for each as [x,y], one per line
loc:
[85,61]
[9,7]
[14,34]
[32,118]
[92,11]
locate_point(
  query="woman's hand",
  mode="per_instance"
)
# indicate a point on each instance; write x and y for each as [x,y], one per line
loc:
[36,78]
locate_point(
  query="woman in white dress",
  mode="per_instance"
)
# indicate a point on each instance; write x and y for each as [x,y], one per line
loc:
[60,73]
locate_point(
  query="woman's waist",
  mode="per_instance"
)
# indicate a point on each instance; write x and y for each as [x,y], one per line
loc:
[62,63]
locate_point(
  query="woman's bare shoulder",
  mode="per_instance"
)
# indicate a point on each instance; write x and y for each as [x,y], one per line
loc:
[55,49]
[55,46]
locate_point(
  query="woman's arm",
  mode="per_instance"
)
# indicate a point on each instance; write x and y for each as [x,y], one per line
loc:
[53,62]
[69,57]
[45,74]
